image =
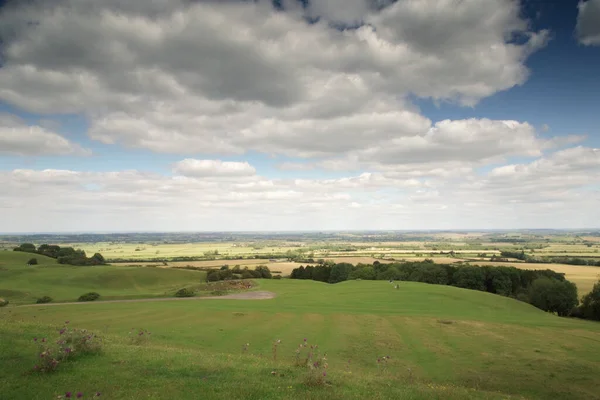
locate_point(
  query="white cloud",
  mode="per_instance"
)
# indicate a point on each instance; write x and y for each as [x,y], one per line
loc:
[588,23]
[560,189]
[201,168]
[228,77]
[19,138]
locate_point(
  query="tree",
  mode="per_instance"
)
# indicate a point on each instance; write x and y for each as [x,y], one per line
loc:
[213,276]
[265,273]
[470,278]
[98,259]
[590,304]
[26,247]
[340,272]
[32,261]
[553,295]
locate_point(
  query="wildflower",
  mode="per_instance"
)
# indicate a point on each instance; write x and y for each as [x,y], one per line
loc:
[79,395]
[35,367]
[67,322]
[35,339]
[278,340]
[305,339]
[44,340]
[68,395]
[324,373]
[68,350]
[98,394]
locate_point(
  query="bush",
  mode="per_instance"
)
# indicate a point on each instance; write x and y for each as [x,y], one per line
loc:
[277,277]
[3,303]
[264,271]
[247,275]
[32,261]
[44,299]
[91,296]
[185,292]
[213,276]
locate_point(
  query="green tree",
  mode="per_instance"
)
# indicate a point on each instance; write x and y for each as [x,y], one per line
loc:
[265,273]
[470,278]
[553,295]
[590,304]
[340,272]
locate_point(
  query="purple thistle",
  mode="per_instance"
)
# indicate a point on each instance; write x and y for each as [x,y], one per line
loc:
[305,339]
[68,395]
[79,395]
[324,373]
[98,394]
[68,350]
[35,339]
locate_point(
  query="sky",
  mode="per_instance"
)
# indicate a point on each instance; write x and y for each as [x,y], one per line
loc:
[231,115]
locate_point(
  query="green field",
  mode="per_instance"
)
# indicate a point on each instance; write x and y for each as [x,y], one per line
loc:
[444,342]
[20,283]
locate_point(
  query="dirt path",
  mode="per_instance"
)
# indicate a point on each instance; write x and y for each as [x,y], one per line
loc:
[259,295]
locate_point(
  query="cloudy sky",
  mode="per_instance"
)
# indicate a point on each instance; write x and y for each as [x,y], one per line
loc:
[135,115]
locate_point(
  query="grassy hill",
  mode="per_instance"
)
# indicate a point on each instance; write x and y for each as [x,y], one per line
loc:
[20,283]
[443,343]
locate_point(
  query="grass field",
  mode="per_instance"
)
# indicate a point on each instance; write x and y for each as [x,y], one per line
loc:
[20,283]
[444,343]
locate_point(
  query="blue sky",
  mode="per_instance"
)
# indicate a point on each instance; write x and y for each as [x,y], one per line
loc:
[173,121]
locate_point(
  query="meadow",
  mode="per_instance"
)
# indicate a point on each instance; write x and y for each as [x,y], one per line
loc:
[20,283]
[443,343]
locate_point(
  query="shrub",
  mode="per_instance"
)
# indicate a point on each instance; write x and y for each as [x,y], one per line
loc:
[3,303]
[139,337]
[213,276]
[44,299]
[72,342]
[91,296]
[185,292]
[264,271]
[32,261]
[80,341]
[277,277]
[247,275]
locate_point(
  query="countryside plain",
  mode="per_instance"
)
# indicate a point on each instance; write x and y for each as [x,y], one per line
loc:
[250,338]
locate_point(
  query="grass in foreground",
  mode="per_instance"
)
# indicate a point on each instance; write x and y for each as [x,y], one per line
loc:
[444,343]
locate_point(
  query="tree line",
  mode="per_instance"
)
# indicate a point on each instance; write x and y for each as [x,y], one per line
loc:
[225,274]
[63,255]
[545,289]
[521,255]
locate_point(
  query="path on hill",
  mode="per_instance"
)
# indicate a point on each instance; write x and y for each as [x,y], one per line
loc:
[258,295]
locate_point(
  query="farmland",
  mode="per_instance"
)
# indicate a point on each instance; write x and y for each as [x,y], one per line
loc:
[443,342]
[284,252]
